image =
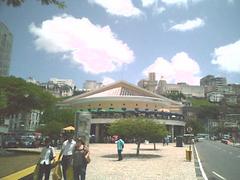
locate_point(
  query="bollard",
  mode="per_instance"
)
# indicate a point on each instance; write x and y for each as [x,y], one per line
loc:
[188,154]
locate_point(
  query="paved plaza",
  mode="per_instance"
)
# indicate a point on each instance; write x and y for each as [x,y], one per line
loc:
[167,162]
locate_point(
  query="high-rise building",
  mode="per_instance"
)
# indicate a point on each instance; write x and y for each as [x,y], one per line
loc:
[5,49]
[211,83]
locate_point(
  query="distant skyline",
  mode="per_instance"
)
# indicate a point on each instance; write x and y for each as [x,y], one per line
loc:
[107,41]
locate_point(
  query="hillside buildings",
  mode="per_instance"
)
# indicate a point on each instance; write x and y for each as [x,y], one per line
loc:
[149,84]
[216,90]
[6,40]
[57,87]
[90,85]
[188,90]
[161,87]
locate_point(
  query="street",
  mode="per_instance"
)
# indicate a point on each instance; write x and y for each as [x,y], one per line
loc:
[219,161]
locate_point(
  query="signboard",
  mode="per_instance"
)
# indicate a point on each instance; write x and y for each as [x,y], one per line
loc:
[189,129]
[230,124]
[83,125]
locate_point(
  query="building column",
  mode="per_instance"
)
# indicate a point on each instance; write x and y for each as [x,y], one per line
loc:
[172,129]
[97,132]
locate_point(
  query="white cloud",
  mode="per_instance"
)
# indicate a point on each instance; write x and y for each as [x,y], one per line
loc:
[188,25]
[228,57]
[154,5]
[181,68]
[175,2]
[180,3]
[107,80]
[94,48]
[159,10]
[148,3]
[118,7]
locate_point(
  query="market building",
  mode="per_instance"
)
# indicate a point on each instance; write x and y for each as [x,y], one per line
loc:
[122,100]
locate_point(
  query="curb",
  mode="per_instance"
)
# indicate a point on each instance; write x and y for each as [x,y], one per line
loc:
[200,174]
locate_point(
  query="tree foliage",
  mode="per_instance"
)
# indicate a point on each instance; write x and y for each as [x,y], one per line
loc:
[16,3]
[18,96]
[138,129]
[196,125]
[63,116]
[51,129]
[3,100]
[55,116]
[176,96]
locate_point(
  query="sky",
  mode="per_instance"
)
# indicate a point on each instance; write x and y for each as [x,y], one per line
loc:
[107,41]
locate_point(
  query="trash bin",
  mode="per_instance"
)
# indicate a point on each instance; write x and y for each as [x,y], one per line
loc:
[179,141]
[188,155]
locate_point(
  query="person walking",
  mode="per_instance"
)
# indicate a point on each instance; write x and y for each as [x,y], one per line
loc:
[66,153]
[120,146]
[79,160]
[167,140]
[46,156]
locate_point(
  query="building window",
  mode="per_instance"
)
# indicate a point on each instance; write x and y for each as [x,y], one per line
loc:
[99,105]
[123,104]
[111,104]
[146,105]
[136,104]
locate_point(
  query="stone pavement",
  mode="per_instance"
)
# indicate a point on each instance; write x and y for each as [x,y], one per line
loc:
[165,163]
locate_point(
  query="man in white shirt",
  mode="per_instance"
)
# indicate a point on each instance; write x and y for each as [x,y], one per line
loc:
[66,153]
[46,156]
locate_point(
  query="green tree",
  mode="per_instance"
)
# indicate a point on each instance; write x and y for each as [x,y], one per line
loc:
[51,129]
[195,124]
[138,129]
[176,95]
[55,116]
[22,97]
[16,3]
[3,100]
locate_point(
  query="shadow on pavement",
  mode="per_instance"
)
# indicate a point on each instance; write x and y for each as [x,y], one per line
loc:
[147,149]
[128,156]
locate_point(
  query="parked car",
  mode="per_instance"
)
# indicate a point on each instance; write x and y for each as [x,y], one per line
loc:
[29,141]
[225,141]
[214,138]
[10,142]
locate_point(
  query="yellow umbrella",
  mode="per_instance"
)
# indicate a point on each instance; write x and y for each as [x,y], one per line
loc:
[69,128]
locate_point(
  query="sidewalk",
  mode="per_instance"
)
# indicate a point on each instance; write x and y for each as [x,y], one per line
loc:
[167,162]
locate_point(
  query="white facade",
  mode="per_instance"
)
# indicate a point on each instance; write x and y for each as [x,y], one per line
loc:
[91,85]
[59,87]
[62,82]
[188,90]
[215,97]
[21,122]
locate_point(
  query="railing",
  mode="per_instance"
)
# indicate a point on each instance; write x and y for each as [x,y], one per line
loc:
[154,115]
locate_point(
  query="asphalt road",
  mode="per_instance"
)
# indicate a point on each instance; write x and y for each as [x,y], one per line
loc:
[219,161]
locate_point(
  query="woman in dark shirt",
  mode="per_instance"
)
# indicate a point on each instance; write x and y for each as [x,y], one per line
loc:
[79,160]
